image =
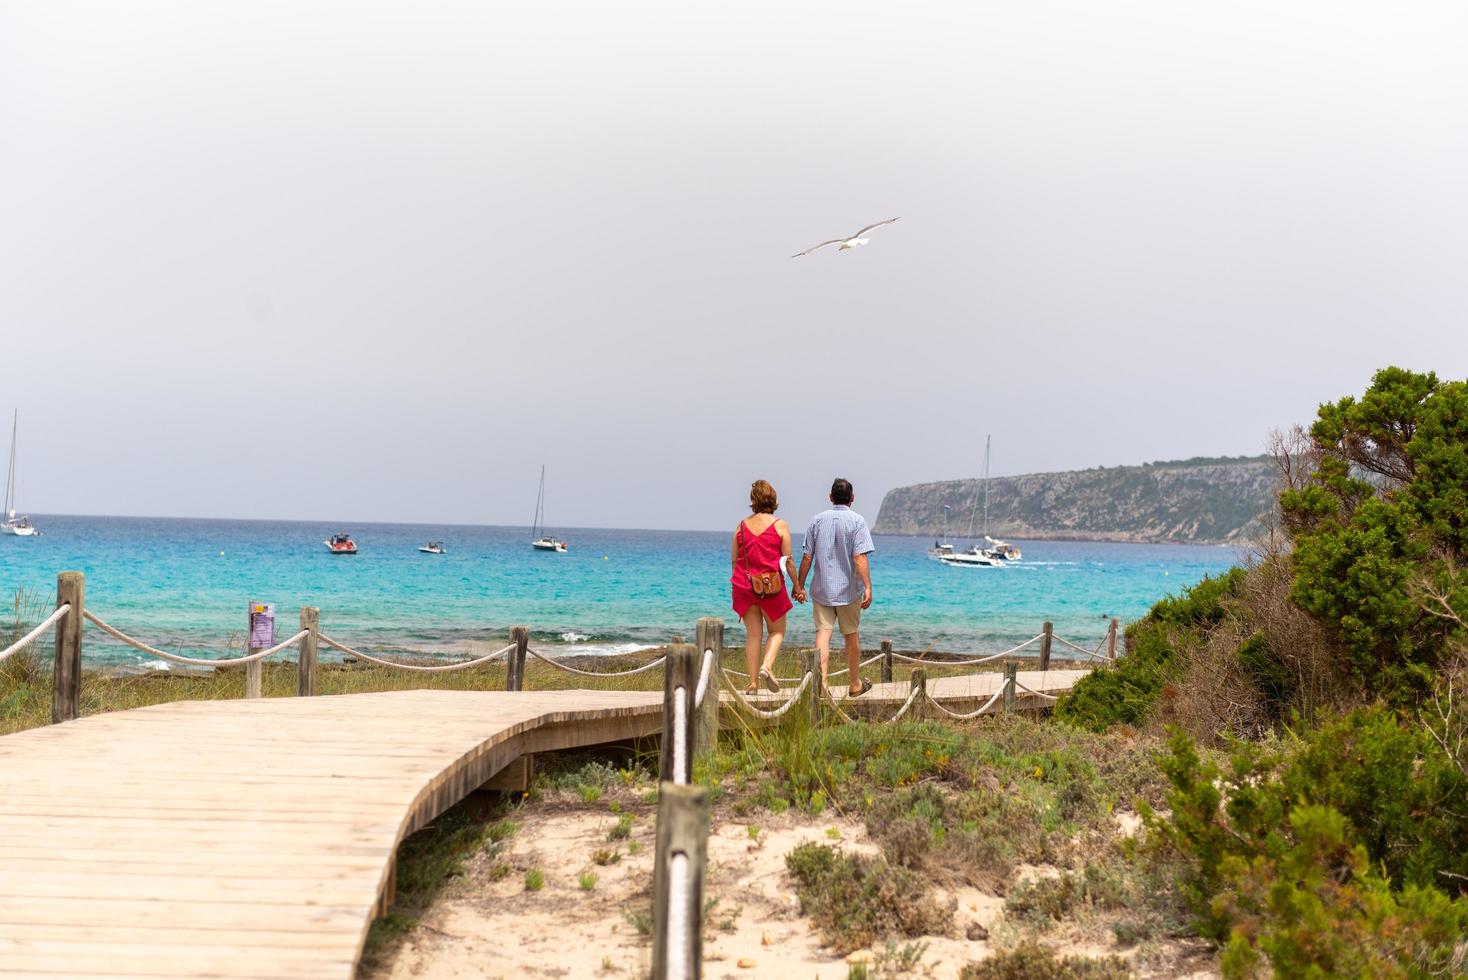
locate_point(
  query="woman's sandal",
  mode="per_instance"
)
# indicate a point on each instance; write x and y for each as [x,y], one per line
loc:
[750,690]
[770,682]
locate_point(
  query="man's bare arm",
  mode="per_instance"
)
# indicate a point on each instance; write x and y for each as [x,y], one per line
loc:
[864,571]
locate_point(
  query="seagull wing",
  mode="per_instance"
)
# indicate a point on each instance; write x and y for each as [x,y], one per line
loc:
[834,241]
[876,225]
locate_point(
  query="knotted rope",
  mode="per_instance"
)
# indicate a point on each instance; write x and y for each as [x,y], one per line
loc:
[118,634]
[45,624]
[425,668]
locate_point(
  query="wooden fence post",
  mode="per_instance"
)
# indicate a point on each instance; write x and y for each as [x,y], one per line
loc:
[255,669]
[1011,670]
[677,887]
[681,671]
[1111,639]
[1046,635]
[67,692]
[306,652]
[886,661]
[918,681]
[710,636]
[515,659]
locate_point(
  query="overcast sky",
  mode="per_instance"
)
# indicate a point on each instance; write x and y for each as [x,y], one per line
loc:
[352,261]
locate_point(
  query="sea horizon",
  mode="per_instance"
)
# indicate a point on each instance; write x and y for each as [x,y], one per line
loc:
[182,584]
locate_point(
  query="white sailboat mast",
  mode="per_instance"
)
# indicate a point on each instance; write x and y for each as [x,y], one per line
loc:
[987,440]
[10,471]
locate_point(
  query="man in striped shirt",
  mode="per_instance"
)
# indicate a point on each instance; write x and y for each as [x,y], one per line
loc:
[837,543]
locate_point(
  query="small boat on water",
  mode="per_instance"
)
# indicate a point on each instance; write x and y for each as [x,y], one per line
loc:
[433,548]
[540,539]
[20,525]
[1002,549]
[341,544]
[994,555]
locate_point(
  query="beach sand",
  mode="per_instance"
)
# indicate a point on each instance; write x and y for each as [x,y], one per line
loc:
[487,925]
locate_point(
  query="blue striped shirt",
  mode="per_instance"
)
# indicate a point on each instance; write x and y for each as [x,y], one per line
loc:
[833,540]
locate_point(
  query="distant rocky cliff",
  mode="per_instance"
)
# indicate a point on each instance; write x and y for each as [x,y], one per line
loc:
[1196,500]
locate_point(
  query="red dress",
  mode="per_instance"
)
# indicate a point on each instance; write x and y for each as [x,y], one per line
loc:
[758,553]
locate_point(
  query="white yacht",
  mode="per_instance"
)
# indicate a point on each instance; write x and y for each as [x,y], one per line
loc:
[433,548]
[17,524]
[990,556]
[540,540]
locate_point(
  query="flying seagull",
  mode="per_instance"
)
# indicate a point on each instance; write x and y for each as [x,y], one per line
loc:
[846,243]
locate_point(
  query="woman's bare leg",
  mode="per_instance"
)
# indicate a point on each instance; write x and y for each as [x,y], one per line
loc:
[754,622]
[777,637]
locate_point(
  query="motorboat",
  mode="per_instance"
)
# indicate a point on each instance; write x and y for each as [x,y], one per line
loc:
[540,539]
[994,554]
[341,544]
[1002,549]
[975,557]
[12,523]
[433,548]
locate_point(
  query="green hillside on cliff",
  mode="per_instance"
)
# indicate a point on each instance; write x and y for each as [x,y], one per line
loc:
[1200,500]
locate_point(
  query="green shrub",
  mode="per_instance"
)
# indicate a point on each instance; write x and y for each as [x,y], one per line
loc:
[855,900]
[1126,692]
[1335,857]
[1031,961]
[1386,506]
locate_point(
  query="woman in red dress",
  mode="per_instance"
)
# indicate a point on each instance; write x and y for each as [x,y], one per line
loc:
[760,543]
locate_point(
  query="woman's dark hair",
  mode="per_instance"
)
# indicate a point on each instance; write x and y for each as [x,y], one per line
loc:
[762,499]
[841,492]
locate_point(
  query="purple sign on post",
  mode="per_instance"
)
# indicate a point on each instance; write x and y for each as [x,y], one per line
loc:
[262,625]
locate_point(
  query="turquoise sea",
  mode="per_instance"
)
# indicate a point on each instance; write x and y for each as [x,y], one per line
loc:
[183,585]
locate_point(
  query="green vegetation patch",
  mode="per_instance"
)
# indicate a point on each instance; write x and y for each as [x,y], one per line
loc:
[1031,961]
[856,900]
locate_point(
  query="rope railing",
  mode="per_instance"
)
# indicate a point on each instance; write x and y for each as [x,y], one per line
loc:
[983,709]
[1090,653]
[425,668]
[784,708]
[595,673]
[152,651]
[42,627]
[703,678]
[911,699]
[987,658]
[793,680]
[1038,694]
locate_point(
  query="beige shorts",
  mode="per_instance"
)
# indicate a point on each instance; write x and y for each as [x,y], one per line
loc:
[849,616]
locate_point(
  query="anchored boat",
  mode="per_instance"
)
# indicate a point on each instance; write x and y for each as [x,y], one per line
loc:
[433,548]
[341,544]
[540,540]
[21,525]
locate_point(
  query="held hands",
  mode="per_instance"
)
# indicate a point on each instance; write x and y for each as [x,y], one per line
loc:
[797,592]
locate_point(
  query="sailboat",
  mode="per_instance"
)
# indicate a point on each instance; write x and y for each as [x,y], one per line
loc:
[975,556]
[943,548]
[19,526]
[540,540]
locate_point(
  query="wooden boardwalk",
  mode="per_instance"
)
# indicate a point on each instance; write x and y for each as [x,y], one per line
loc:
[256,838]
